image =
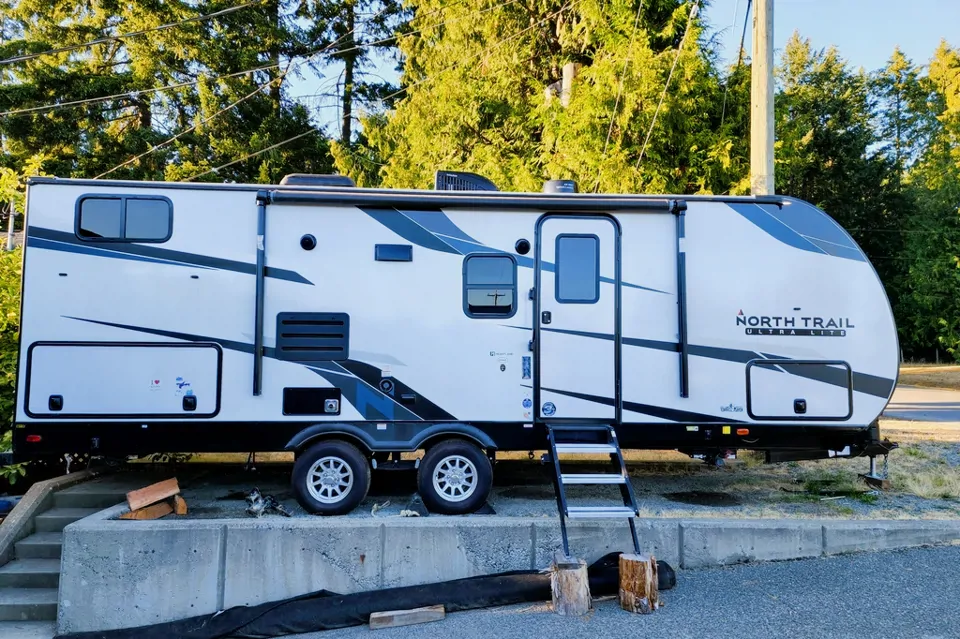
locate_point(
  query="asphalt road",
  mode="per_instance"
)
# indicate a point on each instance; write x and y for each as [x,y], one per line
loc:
[924,404]
[901,595]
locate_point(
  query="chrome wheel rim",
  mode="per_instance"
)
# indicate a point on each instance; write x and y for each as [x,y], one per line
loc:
[455,478]
[329,480]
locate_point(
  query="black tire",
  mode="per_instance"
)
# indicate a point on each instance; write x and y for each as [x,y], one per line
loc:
[337,455]
[454,455]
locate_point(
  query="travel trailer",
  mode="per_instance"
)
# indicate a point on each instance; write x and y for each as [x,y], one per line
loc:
[352,325]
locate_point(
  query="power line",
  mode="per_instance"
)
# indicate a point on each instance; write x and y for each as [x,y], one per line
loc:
[616,103]
[130,94]
[726,85]
[250,155]
[421,81]
[666,86]
[162,27]
[106,98]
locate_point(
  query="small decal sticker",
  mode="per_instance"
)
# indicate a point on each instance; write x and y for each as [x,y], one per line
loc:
[726,430]
[526,367]
[527,402]
[503,367]
[549,409]
[154,384]
[693,429]
[183,387]
[731,408]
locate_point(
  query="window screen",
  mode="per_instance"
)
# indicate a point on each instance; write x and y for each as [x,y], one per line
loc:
[489,286]
[578,269]
[122,218]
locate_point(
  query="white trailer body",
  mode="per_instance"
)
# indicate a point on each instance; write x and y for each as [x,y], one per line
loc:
[191,317]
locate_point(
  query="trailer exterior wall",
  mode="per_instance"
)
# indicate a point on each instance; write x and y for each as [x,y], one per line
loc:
[751,270]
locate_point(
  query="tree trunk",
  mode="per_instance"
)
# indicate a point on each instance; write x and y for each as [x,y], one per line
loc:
[638,584]
[273,9]
[349,62]
[570,586]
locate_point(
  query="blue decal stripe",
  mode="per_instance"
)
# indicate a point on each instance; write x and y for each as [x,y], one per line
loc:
[438,223]
[801,226]
[38,237]
[672,414]
[862,382]
[408,229]
[368,401]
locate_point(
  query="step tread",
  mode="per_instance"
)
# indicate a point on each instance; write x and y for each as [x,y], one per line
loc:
[20,596]
[19,566]
[585,448]
[62,513]
[578,512]
[592,478]
[42,539]
[27,629]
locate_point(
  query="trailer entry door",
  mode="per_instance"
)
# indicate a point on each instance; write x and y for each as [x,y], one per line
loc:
[577,327]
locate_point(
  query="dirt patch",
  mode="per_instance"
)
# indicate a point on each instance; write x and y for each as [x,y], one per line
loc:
[703,498]
[931,377]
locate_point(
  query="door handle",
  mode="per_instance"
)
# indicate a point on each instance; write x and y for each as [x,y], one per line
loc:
[546,317]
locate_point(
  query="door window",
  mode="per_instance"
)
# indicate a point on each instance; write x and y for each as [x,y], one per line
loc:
[578,269]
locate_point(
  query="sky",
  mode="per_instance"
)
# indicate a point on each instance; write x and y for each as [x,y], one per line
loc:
[864,31]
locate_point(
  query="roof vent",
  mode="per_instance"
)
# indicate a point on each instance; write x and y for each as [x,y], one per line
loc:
[457,181]
[559,186]
[316,179]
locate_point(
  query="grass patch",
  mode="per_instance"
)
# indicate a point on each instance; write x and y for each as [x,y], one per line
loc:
[913,451]
[943,483]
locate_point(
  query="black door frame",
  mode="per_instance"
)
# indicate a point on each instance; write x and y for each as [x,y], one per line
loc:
[617,312]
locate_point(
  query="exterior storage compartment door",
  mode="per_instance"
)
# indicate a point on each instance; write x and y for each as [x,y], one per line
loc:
[799,390]
[123,380]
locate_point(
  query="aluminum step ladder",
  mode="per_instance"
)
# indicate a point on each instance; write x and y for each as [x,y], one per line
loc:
[590,439]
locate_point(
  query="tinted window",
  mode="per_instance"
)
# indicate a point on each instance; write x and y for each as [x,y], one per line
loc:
[489,286]
[124,218]
[147,219]
[578,269]
[101,218]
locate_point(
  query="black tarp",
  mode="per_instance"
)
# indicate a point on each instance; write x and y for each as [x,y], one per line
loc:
[324,610]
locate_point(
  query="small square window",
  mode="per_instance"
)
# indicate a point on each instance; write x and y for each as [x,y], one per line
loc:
[489,286]
[124,218]
[101,218]
[578,269]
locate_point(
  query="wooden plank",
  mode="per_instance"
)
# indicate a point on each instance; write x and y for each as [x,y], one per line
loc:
[154,511]
[179,505]
[141,497]
[396,618]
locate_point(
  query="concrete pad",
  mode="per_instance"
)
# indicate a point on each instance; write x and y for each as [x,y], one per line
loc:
[462,547]
[267,561]
[27,629]
[592,539]
[724,542]
[133,573]
[847,536]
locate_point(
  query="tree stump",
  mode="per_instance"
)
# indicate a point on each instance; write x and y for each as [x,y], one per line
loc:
[570,586]
[638,584]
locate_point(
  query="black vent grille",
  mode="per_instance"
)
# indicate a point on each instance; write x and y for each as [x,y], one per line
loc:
[313,337]
[461,181]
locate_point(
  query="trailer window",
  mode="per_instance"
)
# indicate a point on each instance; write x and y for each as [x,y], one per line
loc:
[124,218]
[578,269]
[489,286]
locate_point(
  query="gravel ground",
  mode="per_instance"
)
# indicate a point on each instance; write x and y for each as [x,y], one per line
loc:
[900,595]
[925,473]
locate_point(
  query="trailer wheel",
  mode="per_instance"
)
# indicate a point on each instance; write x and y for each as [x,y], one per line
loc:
[331,478]
[454,478]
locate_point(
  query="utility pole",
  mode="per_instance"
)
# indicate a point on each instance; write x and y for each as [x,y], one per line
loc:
[10,220]
[761,100]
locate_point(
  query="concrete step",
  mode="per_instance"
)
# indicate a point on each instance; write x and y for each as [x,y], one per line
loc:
[28,604]
[30,573]
[43,545]
[55,519]
[27,629]
[92,497]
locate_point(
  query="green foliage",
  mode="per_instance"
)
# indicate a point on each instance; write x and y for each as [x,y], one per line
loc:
[10,268]
[12,472]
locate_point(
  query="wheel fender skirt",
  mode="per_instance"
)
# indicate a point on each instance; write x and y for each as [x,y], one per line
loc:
[376,440]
